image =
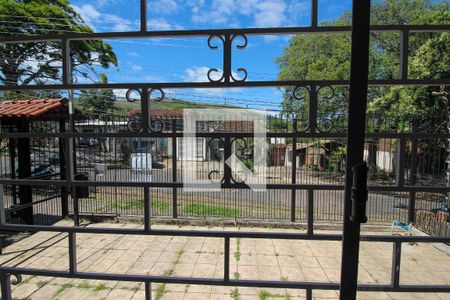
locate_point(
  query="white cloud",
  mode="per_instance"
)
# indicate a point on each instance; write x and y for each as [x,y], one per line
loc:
[104,20]
[133,54]
[162,24]
[136,68]
[165,6]
[200,74]
[270,13]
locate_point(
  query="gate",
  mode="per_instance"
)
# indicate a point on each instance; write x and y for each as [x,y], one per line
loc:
[355,190]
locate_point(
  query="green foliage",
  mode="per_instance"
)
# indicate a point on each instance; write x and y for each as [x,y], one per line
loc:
[327,57]
[45,18]
[97,102]
[209,210]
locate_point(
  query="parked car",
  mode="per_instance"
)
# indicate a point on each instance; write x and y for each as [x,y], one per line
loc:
[54,159]
[41,170]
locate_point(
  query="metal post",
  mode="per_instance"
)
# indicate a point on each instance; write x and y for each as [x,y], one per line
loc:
[310,217]
[226,263]
[294,171]
[25,191]
[62,170]
[147,208]
[5,281]
[227,154]
[355,142]
[312,109]
[413,181]
[143,15]
[227,58]
[400,163]
[174,169]
[396,256]
[314,13]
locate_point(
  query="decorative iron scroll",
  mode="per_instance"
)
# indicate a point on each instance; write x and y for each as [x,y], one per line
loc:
[156,124]
[227,42]
[325,124]
[301,124]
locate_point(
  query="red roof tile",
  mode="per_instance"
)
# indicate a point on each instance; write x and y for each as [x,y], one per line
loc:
[35,108]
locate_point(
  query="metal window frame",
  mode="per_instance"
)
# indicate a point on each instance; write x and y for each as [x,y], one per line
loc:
[228,82]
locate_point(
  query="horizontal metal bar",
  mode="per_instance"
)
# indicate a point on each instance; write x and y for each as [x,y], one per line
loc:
[223,234]
[22,206]
[169,184]
[232,84]
[129,134]
[207,32]
[215,282]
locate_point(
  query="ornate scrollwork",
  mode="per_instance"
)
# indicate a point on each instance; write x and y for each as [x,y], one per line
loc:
[17,280]
[240,47]
[227,41]
[240,70]
[157,125]
[212,70]
[240,176]
[300,124]
[134,121]
[244,37]
[325,124]
[213,37]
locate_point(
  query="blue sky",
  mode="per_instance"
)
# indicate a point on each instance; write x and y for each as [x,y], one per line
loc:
[189,59]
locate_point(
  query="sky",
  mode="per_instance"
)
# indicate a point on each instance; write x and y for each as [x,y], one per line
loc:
[189,59]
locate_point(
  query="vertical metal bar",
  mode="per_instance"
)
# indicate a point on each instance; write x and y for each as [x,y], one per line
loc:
[23,153]
[226,264]
[227,154]
[309,294]
[413,181]
[147,208]
[314,13]
[404,52]
[227,57]
[396,256]
[5,281]
[12,156]
[313,109]
[174,169]
[62,170]
[310,228]
[294,171]
[145,110]
[355,141]
[72,252]
[400,163]
[148,290]
[143,15]
[66,63]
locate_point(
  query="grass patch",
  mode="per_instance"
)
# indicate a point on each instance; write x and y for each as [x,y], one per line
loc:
[160,291]
[235,294]
[265,295]
[130,204]
[237,275]
[41,283]
[198,209]
[64,287]
[101,287]
[237,253]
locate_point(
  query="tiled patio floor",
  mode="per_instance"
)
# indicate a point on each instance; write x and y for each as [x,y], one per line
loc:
[203,257]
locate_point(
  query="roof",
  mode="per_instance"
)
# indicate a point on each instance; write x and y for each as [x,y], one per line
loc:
[42,109]
[235,126]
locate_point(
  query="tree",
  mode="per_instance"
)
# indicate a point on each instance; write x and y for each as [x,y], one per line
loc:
[27,63]
[327,56]
[97,102]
